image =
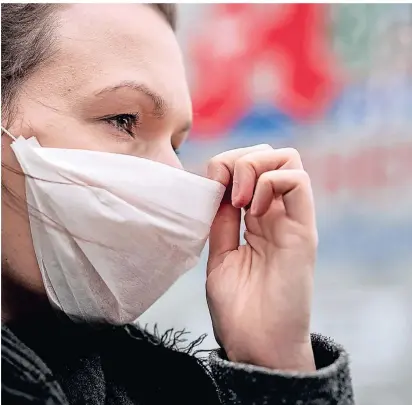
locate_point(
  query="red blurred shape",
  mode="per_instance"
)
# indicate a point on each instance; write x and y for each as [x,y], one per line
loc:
[308,81]
[222,63]
[292,37]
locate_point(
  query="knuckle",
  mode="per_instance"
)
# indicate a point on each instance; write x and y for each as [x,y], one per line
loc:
[263,146]
[292,153]
[266,177]
[215,161]
[247,160]
[303,178]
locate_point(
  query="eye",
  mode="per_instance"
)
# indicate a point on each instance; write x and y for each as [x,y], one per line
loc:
[124,122]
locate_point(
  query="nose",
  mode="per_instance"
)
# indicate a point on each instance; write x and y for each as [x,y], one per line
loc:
[165,154]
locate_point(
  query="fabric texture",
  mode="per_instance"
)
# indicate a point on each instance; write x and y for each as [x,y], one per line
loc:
[94,263]
[57,362]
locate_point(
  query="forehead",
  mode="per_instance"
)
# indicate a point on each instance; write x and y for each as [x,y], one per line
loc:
[100,45]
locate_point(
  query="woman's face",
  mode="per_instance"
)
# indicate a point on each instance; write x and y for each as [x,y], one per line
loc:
[115,83]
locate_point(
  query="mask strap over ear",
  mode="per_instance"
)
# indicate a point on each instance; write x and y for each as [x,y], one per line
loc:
[8,134]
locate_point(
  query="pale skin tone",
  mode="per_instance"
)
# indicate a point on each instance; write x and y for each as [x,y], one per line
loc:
[116,83]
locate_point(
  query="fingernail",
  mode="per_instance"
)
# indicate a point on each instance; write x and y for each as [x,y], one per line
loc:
[253,209]
[235,192]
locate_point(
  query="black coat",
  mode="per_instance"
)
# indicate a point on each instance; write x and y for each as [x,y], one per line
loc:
[55,362]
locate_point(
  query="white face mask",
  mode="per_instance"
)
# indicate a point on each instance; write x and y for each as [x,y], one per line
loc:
[127,227]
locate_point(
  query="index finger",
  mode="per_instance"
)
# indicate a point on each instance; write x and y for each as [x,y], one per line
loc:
[221,167]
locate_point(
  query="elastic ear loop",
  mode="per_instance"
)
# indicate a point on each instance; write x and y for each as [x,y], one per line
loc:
[9,134]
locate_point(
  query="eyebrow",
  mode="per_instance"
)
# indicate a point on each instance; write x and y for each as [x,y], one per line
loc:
[159,103]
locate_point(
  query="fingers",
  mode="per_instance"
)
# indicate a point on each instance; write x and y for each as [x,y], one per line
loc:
[225,231]
[224,235]
[250,167]
[295,188]
[245,166]
[257,174]
[221,167]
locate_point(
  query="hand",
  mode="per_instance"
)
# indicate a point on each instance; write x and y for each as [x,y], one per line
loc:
[260,294]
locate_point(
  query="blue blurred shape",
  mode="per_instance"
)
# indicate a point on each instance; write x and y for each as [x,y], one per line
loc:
[262,119]
[350,107]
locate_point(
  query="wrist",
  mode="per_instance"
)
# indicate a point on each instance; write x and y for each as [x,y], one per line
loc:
[294,358]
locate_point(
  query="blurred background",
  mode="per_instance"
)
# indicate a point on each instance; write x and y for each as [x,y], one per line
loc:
[335,82]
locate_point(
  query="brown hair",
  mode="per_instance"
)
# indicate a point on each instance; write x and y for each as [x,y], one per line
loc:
[26,42]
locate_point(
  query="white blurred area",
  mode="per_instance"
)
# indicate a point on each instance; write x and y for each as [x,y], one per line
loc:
[359,155]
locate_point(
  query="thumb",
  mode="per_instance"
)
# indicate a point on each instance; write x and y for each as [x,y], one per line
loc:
[224,233]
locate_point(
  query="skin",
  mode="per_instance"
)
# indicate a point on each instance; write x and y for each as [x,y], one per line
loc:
[124,59]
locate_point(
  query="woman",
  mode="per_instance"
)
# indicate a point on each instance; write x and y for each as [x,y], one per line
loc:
[90,231]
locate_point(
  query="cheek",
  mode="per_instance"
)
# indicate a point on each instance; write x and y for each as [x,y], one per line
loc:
[17,245]
[12,177]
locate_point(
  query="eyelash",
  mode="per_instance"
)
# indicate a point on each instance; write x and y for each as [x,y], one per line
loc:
[134,120]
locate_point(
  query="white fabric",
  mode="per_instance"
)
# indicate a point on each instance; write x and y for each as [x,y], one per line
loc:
[112,232]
